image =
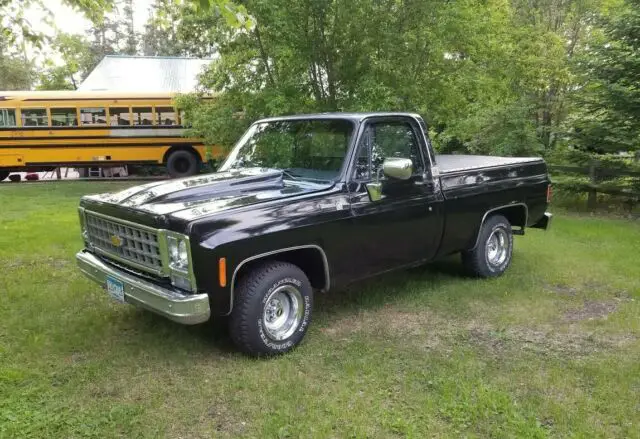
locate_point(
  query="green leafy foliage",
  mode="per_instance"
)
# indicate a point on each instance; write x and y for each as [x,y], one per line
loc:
[608,119]
[489,76]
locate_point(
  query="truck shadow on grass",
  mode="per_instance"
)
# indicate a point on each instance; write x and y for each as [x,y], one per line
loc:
[371,294]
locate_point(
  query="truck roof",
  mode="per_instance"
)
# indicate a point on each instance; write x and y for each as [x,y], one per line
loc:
[353,116]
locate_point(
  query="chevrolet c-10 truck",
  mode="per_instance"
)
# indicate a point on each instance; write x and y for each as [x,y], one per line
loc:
[301,205]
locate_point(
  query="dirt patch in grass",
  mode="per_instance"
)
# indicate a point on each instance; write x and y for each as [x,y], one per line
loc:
[572,342]
[389,321]
[426,329]
[590,310]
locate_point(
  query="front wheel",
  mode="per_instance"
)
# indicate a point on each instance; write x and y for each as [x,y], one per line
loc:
[492,255]
[272,309]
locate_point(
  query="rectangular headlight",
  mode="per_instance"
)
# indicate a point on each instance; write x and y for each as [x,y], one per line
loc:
[178,252]
[178,257]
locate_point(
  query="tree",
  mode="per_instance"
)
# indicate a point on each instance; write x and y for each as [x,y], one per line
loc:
[131,42]
[609,98]
[15,26]
[160,37]
[369,55]
[17,35]
[79,58]
[15,73]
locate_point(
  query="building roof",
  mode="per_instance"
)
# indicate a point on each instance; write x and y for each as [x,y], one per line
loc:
[145,74]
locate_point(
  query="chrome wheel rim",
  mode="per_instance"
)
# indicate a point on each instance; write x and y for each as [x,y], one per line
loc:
[283,312]
[498,247]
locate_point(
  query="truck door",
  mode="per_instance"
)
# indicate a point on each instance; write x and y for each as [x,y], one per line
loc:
[404,226]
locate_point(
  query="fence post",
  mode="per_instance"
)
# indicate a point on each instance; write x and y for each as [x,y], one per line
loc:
[593,179]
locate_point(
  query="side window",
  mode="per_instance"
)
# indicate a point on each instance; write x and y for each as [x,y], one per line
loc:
[119,116]
[93,116]
[166,116]
[64,117]
[383,140]
[34,117]
[142,115]
[7,117]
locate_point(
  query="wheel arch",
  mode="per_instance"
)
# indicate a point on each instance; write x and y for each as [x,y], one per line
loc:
[188,148]
[310,258]
[516,213]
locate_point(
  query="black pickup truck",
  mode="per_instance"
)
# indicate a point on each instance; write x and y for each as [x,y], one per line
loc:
[305,204]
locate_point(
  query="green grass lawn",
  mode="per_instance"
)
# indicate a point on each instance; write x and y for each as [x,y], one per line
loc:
[550,349]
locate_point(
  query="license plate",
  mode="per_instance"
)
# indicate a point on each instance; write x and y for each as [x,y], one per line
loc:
[115,288]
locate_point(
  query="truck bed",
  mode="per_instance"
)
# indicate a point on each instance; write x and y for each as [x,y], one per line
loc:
[449,163]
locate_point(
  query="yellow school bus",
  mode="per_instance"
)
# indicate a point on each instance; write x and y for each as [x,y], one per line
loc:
[41,130]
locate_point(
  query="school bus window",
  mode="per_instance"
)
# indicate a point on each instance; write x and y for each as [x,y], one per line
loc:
[142,116]
[120,116]
[93,116]
[34,117]
[64,117]
[183,122]
[166,116]
[7,117]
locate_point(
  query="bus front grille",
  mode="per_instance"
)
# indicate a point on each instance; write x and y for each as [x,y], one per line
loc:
[134,246]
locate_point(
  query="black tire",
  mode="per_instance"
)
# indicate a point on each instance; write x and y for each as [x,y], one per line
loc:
[492,255]
[4,174]
[182,163]
[256,300]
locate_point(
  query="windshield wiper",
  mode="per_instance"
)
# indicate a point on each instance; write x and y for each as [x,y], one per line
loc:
[290,174]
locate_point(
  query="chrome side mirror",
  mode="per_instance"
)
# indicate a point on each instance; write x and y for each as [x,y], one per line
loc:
[394,167]
[398,168]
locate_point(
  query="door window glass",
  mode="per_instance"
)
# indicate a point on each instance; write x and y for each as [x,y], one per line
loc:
[35,117]
[64,117]
[120,116]
[93,116]
[384,140]
[166,116]
[7,117]
[142,116]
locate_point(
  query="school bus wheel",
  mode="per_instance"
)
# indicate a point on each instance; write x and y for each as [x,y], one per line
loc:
[182,163]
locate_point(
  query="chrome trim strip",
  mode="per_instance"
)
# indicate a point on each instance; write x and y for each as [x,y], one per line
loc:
[121,221]
[274,252]
[188,309]
[526,218]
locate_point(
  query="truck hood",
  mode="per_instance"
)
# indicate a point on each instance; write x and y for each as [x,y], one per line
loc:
[193,197]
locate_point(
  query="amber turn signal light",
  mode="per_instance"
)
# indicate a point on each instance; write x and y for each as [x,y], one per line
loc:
[222,271]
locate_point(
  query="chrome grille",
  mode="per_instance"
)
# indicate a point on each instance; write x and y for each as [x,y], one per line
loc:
[136,245]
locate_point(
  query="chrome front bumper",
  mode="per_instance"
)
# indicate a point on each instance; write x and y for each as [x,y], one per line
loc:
[188,309]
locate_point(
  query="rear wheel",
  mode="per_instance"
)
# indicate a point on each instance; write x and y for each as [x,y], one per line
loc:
[272,309]
[492,255]
[182,163]
[3,174]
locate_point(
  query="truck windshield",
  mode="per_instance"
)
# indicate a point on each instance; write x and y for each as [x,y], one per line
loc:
[304,149]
